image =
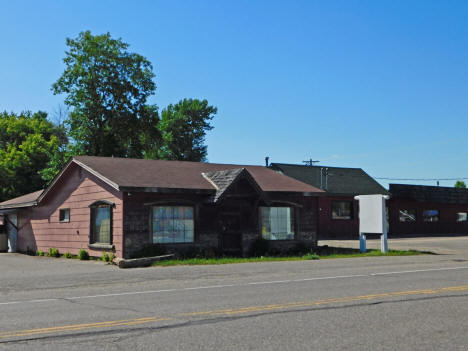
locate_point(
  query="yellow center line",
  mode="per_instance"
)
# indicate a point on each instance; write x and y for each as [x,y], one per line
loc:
[228,312]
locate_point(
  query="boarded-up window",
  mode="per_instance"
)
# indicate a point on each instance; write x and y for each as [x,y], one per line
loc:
[277,223]
[173,224]
[407,215]
[101,224]
[342,210]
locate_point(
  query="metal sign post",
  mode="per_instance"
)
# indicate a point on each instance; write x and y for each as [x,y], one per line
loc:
[372,219]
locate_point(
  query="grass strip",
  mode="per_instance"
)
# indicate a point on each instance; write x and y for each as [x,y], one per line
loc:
[324,253]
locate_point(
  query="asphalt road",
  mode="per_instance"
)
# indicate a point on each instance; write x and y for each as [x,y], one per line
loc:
[382,303]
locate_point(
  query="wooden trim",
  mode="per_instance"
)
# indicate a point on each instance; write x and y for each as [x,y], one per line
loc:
[101,203]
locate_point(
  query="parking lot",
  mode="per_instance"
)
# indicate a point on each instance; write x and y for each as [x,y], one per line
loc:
[441,245]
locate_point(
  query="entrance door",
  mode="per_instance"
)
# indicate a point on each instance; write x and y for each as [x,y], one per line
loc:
[231,233]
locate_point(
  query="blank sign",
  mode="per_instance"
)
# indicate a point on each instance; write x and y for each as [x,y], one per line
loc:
[371,213]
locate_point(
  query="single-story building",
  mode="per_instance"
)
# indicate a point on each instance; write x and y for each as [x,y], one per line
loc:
[338,213]
[121,205]
[427,210]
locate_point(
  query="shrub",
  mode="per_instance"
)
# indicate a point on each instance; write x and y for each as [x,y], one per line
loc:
[67,255]
[40,253]
[106,257]
[311,256]
[54,252]
[260,247]
[83,255]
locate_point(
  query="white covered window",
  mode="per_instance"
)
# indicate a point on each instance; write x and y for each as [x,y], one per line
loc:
[101,224]
[277,223]
[172,224]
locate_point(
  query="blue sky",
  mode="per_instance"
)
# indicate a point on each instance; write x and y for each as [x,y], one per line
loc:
[381,85]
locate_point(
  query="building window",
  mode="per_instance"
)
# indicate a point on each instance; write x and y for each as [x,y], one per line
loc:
[462,216]
[64,215]
[407,215]
[342,210]
[173,224]
[277,223]
[431,215]
[101,224]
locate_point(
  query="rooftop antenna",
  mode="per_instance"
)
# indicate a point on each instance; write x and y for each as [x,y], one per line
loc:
[310,162]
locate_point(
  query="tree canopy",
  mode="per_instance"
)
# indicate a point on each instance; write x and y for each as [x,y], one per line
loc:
[106,87]
[183,127]
[26,142]
[106,90]
[460,184]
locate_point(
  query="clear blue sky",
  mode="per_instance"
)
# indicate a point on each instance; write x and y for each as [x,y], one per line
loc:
[381,85]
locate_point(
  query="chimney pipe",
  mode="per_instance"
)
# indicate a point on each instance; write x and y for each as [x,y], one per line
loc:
[266,161]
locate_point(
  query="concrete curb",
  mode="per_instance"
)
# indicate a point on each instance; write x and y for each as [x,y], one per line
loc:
[140,262]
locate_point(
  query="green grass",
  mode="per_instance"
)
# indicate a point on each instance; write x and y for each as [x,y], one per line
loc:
[323,252]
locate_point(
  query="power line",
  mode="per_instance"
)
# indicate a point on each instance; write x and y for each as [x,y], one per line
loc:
[421,179]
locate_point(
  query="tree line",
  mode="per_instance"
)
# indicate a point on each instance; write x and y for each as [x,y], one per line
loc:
[106,90]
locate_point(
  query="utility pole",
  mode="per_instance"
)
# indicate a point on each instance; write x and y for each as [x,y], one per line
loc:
[310,162]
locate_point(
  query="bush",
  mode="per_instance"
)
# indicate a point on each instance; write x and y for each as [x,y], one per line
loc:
[67,255]
[111,257]
[39,253]
[83,255]
[311,256]
[260,247]
[54,252]
[149,251]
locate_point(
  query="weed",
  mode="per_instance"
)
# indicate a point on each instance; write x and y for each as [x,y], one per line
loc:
[54,252]
[83,255]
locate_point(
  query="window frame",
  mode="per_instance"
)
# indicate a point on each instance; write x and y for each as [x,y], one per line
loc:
[171,204]
[408,209]
[64,210]
[101,204]
[351,202]
[293,218]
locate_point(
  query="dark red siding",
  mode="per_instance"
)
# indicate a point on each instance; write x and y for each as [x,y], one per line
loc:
[447,223]
[329,228]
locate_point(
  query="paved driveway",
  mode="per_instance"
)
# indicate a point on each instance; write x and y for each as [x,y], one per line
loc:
[440,245]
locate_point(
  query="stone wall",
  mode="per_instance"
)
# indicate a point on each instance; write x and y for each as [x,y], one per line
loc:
[208,235]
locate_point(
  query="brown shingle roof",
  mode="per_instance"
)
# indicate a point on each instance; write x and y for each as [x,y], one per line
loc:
[138,173]
[21,201]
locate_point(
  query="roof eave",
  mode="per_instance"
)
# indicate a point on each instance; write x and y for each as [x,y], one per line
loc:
[18,205]
[167,190]
[82,165]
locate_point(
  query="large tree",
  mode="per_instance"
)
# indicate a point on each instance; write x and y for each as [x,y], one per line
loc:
[183,127]
[106,88]
[26,142]
[460,184]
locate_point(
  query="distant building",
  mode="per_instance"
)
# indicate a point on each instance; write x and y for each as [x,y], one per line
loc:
[337,210]
[427,210]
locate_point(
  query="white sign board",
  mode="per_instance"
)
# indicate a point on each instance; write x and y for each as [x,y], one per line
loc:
[372,219]
[371,213]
